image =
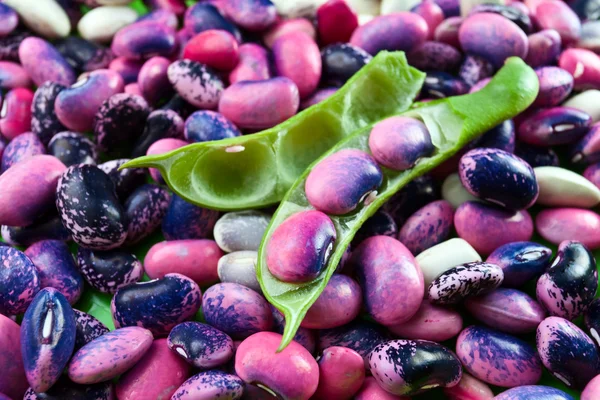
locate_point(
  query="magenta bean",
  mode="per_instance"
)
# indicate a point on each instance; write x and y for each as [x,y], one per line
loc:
[200,345]
[464,281]
[592,173]
[133,88]
[15,116]
[555,86]
[447,31]
[44,63]
[77,105]
[144,39]
[587,149]
[469,388]
[297,57]
[21,148]
[592,389]
[253,15]
[431,13]
[559,224]
[341,374]
[128,69]
[163,146]
[153,80]
[162,16]
[44,121]
[288,25]
[492,37]
[214,48]
[434,56]
[196,83]
[120,120]
[19,279]
[431,322]
[317,97]
[428,226]
[326,312]
[160,124]
[13,75]
[557,15]
[376,260]
[27,190]
[292,373]
[335,22]
[399,31]
[488,227]
[12,380]
[584,65]
[544,48]
[553,126]
[8,20]
[371,390]
[253,64]
[340,182]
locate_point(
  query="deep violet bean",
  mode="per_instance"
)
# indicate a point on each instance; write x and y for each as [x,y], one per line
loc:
[84,55]
[187,221]
[44,121]
[306,337]
[429,226]
[416,194]
[434,56]
[500,137]
[520,261]
[555,86]
[19,281]
[20,148]
[341,61]
[66,389]
[126,180]
[144,39]
[442,84]
[380,223]
[210,384]
[200,345]
[73,148]
[179,105]
[47,228]
[108,271]
[217,49]
[203,16]
[474,69]
[537,156]
[554,126]
[513,14]
[325,313]
[87,329]
[544,48]
[207,125]
[592,320]
[160,124]
[153,81]
[145,209]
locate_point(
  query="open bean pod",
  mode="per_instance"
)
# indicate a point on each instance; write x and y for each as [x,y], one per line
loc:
[257,170]
[452,123]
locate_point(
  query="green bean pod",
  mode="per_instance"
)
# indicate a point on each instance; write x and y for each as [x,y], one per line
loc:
[257,170]
[452,123]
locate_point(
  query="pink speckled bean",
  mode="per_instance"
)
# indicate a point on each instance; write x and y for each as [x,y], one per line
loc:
[163,146]
[431,322]
[341,374]
[15,116]
[584,65]
[289,25]
[253,64]
[559,224]
[427,227]
[13,75]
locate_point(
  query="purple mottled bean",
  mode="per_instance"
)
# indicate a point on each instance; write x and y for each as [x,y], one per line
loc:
[145,209]
[125,180]
[253,15]
[196,83]
[325,313]
[128,69]
[202,16]
[67,389]
[544,48]
[73,148]
[520,261]
[144,39]
[559,224]
[84,55]
[21,148]
[431,322]
[210,385]
[341,374]
[187,221]
[108,271]
[160,124]
[555,86]
[464,281]
[207,125]
[19,281]
[44,121]
[429,226]
[434,56]
[474,69]
[44,63]
[12,75]
[87,329]
[253,64]
[200,345]
[46,228]
[153,80]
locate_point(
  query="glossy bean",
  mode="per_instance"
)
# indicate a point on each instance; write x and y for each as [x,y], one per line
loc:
[587,149]
[544,47]
[431,322]
[101,24]
[144,39]
[44,121]
[196,83]
[108,271]
[56,268]
[153,80]
[9,45]
[560,187]
[555,86]
[336,21]
[239,267]
[465,281]
[243,230]
[15,115]
[206,125]
[427,227]
[145,209]
[520,261]
[500,137]
[533,392]
[200,345]
[13,381]
[253,64]
[435,56]
[72,148]
[160,124]
[13,75]
[341,61]
[45,17]
[44,63]
[380,223]
[87,328]
[431,12]
[125,180]
[556,225]
[21,148]
[20,281]
[341,373]
[214,48]
[210,385]
[84,55]
[441,84]
[47,228]
[325,313]
[202,16]
[360,336]
[591,390]
[187,221]
[584,65]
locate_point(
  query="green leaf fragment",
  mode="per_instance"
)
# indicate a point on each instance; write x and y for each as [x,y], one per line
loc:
[452,122]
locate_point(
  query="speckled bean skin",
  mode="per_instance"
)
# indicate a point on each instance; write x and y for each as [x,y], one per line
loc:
[399,31]
[340,61]
[413,366]
[253,64]
[533,392]
[256,361]
[48,228]
[210,385]
[236,310]
[13,381]
[15,115]
[47,338]
[145,209]
[567,352]
[90,209]
[498,358]
[507,310]
[13,75]
[503,37]
[126,180]
[500,137]
[73,148]
[44,63]
[469,388]
[337,184]
[187,221]
[376,260]
[253,15]
[207,125]
[153,81]
[556,225]
[474,69]
[56,268]
[304,336]
[20,148]
[520,261]
[157,305]
[160,124]
[200,345]
[488,227]
[87,328]
[196,83]
[341,374]
[499,177]
[260,104]
[107,271]
[299,248]
[109,355]
[544,48]
[77,105]
[202,16]
[143,39]
[554,126]
[326,312]
[427,227]
[591,390]
[156,376]
[555,86]
[464,281]
[569,285]
[65,389]
[19,281]
[435,56]
[44,121]
[360,336]
[241,230]
[431,322]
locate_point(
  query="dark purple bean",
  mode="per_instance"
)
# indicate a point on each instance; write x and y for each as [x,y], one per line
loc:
[9,45]
[427,227]
[153,80]
[360,336]
[341,61]
[196,83]
[500,137]
[537,156]
[73,148]
[47,338]
[19,281]
[464,281]
[144,39]
[15,114]
[441,84]
[108,271]
[73,10]
[511,13]
[433,56]
[180,106]
[87,329]
[416,194]
[145,209]
[474,69]
[44,121]
[414,366]
[90,209]
[253,15]
[160,124]
[544,48]
[451,8]
[126,180]
[44,63]
[84,55]
[56,268]
[203,126]
[380,223]
[555,86]
[47,228]
[157,305]
[200,345]
[520,261]
[187,221]
[587,149]
[569,285]
[3,144]
[21,148]
[592,320]
[202,16]
[66,389]
[567,352]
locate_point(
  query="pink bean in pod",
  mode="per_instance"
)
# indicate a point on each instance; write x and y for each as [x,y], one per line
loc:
[163,146]
[156,376]
[335,22]
[557,15]
[44,63]
[559,224]
[487,227]
[371,390]
[297,57]
[431,322]
[431,13]
[592,389]
[13,75]
[469,388]
[253,64]
[77,105]
[196,259]
[584,65]
[215,48]
[289,25]
[292,373]
[447,31]
[153,81]
[544,48]
[341,374]
[260,104]
[12,379]
[398,31]
[28,188]
[15,115]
